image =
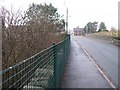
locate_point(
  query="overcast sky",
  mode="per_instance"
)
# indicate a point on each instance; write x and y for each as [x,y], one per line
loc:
[80,11]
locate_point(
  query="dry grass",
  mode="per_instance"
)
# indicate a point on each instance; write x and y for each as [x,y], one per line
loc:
[106,35]
[112,37]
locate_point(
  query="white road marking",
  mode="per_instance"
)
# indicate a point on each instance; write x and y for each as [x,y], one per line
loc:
[108,80]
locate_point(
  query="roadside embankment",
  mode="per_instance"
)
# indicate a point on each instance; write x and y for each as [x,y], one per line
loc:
[109,37]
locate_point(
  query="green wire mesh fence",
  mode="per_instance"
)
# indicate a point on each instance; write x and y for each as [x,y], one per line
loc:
[43,70]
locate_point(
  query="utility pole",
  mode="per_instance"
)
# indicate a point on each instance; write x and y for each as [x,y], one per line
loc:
[67,20]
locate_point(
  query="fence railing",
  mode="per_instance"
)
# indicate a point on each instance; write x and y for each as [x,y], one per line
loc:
[43,70]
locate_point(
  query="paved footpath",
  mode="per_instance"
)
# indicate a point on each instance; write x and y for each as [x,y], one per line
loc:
[81,72]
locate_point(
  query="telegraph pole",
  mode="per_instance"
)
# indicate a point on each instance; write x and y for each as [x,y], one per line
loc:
[67,20]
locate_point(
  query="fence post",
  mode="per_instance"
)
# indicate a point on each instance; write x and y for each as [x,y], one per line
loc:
[56,76]
[68,42]
[69,37]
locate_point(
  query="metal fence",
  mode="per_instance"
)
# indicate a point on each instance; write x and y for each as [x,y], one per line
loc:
[43,70]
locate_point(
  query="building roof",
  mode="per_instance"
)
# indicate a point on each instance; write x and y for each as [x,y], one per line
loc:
[78,29]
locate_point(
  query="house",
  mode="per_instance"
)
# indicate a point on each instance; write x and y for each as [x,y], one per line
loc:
[78,31]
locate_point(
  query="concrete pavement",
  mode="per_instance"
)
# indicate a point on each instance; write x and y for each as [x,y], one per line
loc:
[81,72]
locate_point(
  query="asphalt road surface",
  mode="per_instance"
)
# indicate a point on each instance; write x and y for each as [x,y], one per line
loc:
[105,54]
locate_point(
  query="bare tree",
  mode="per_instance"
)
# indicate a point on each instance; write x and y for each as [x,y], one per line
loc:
[25,34]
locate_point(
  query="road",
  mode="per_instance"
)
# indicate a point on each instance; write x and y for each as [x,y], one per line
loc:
[105,54]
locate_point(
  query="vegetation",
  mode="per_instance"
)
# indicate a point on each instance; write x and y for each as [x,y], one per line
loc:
[27,34]
[103,35]
[91,27]
[102,27]
[109,35]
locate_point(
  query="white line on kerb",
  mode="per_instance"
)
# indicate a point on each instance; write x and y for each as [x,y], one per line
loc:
[111,84]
